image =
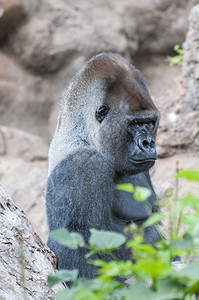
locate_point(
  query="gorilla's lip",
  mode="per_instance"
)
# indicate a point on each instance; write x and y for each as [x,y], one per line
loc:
[141,161]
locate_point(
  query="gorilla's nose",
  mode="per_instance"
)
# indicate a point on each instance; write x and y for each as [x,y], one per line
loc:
[147,144]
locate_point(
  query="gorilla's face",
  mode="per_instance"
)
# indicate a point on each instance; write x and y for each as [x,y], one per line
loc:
[128,123]
[140,153]
[130,142]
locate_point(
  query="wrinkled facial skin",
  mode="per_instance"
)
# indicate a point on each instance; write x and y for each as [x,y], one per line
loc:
[131,147]
[141,147]
[129,123]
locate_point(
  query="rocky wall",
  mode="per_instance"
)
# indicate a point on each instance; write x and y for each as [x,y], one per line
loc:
[43,43]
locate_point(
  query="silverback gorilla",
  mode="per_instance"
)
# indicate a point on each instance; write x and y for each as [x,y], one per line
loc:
[105,135]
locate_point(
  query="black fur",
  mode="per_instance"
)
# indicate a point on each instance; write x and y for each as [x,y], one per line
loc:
[74,200]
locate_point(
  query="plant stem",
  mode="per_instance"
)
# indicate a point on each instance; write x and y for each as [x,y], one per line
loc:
[178,218]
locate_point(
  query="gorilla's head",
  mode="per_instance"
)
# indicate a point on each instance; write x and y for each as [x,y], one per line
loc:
[108,107]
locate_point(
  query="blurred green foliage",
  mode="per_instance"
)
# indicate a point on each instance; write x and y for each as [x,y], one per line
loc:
[177,59]
[154,273]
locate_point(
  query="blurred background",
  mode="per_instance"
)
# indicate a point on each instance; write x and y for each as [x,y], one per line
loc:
[43,43]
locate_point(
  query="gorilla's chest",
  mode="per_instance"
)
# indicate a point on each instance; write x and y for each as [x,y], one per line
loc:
[125,207]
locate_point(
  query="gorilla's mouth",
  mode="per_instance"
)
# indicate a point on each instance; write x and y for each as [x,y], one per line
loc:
[142,161]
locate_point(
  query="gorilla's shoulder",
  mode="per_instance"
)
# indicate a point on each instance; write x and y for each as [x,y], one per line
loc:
[85,160]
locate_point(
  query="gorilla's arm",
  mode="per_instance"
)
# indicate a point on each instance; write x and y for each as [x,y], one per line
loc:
[127,209]
[79,197]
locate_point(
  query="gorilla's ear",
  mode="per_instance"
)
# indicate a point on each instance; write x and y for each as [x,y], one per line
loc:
[101,112]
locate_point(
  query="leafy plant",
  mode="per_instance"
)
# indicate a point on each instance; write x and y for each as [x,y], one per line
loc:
[177,59]
[153,273]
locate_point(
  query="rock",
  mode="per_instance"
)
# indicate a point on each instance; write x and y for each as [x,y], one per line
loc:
[25,261]
[23,171]
[25,100]
[41,56]
[58,32]
[19,144]
[160,24]
[190,81]
[12,14]
[160,76]
[180,110]
[57,38]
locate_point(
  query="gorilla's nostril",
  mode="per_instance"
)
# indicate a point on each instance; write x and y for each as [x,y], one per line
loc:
[146,143]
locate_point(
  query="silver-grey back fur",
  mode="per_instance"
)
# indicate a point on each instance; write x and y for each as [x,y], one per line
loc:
[76,118]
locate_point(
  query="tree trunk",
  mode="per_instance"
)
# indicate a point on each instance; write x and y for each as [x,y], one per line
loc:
[25,261]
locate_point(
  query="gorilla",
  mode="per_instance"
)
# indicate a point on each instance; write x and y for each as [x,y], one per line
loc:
[105,135]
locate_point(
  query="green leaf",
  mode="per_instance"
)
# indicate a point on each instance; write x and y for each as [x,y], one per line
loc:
[178,49]
[139,291]
[178,78]
[141,193]
[127,187]
[185,244]
[190,175]
[62,276]
[84,294]
[153,219]
[166,290]
[190,272]
[191,223]
[97,285]
[176,60]
[169,289]
[89,284]
[190,200]
[105,240]
[116,268]
[153,267]
[68,294]
[68,239]
[193,289]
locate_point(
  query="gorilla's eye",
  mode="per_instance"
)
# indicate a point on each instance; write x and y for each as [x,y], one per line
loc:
[149,124]
[101,112]
[134,123]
